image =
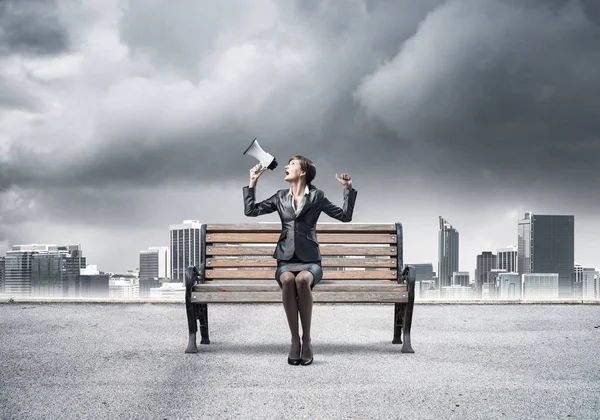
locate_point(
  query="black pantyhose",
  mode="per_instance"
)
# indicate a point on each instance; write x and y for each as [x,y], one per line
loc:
[297,298]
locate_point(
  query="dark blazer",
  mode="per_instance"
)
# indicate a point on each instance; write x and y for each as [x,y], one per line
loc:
[298,233]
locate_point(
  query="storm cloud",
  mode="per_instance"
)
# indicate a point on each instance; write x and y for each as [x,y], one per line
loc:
[31,27]
[133,115]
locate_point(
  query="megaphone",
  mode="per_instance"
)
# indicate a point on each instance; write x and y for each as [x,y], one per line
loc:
[266,160]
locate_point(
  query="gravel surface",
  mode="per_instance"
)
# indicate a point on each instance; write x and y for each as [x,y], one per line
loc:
[124,361]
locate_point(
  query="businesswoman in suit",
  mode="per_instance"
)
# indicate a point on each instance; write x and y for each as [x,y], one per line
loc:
[297,252]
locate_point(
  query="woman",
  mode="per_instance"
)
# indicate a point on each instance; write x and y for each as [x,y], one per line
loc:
[297,252]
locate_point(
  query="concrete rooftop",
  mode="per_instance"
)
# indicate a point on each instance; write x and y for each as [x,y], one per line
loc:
[125,361]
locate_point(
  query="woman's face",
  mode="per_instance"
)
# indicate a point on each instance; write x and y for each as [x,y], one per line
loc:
[293,172]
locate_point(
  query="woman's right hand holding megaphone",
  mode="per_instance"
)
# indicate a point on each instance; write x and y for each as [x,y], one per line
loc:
[255,173]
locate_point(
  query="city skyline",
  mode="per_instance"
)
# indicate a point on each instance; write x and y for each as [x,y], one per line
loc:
[193,226]
[548,270]
[111,132]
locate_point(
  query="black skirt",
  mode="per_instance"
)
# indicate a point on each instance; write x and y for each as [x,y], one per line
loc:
[296,265]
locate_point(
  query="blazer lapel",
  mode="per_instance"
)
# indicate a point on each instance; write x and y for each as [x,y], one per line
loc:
[310,198]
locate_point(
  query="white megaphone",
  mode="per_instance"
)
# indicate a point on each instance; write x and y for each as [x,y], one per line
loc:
[266,160]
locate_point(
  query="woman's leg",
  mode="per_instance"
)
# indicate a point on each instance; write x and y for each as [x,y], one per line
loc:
[290,305]
[305,304]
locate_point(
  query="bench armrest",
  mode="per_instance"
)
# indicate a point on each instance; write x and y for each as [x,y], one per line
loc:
[193,275]
[408,275]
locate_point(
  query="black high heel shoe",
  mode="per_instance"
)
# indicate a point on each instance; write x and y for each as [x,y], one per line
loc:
[306,362]
[295,362]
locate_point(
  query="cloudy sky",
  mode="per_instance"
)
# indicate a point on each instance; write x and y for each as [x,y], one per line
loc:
[118,118]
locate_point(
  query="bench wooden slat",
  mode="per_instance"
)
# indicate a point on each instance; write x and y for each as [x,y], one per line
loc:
[318,297]
[272,286]
[324,282]
[321,227]
[325,250]
[323,238]
[325,262]
[327,274]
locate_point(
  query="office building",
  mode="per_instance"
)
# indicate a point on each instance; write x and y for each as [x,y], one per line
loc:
[492,283]
[590,284]
[2,260]
[524,245]
[507,259]
[421,286]
[124,285]
[48,275]
[540,286]
[94,286]
[55,271]
[486,262]
[546,244]
[185,247]
[577,273]
[423,271]
[509,286]
[155,263]
[93,283]
[460,278]
[74,261]
[447,253]
[43,270]
[146,286]
[17,269]
[577,281]
[123,288]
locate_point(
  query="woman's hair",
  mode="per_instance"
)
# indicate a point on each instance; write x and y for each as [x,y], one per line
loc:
[307,166]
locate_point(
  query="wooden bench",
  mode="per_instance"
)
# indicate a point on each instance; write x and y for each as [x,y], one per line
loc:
[360,265]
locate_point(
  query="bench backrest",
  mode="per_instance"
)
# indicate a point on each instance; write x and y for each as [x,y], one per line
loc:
[350,251]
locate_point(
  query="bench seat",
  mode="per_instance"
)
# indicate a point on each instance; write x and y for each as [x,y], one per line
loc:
[268,291]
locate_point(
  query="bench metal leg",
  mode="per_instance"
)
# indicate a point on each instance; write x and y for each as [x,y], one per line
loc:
[403,321]
[192,326]
[190,277]
[403,312]
[397,323]
[408,310]
[202,311]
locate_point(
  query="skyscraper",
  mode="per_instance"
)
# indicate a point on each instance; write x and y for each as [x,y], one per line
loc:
[547,245]
[524,245]
[447,253]
[2,259]
[155,263]
[486,262]
[507,259]
[185,247]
